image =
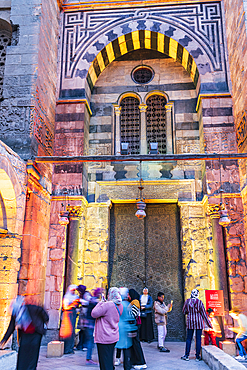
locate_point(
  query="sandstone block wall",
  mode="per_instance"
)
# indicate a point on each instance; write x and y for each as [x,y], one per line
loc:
[13,198]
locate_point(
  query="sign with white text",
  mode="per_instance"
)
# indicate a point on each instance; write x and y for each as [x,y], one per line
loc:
[215,300]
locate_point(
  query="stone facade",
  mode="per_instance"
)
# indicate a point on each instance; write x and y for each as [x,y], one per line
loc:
[66,68]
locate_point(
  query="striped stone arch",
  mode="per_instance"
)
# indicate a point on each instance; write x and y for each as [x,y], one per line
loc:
[143,39]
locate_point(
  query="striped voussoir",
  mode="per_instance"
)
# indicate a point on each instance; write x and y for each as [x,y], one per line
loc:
[141,40]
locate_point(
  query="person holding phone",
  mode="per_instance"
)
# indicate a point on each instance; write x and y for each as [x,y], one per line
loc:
[161,311]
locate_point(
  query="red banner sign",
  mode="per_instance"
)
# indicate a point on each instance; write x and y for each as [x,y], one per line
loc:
[215,300]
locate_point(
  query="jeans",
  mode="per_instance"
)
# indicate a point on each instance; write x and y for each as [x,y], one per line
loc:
[90,342]
[190,333]
[240,339]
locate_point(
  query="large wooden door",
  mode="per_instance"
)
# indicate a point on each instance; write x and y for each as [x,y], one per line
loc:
[147,253]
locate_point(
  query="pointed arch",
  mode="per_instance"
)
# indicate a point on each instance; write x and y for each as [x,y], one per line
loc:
[143,39]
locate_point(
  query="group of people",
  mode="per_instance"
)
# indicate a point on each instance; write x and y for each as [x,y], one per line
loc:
[122,322]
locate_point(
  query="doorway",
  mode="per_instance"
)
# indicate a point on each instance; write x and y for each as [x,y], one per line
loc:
[148,253]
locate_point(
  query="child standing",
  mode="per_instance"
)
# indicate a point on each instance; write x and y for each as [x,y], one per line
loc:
[211,334]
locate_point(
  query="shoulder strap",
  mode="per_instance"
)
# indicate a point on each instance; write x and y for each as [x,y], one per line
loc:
[117,309]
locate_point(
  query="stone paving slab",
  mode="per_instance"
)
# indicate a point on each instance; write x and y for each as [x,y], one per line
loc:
[155,360]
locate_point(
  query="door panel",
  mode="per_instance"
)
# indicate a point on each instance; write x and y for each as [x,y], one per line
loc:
[147,253]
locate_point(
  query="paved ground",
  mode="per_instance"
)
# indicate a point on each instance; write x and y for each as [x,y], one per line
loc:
[155,360]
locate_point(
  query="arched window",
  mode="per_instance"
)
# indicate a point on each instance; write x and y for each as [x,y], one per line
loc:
[156,122]
[130,123]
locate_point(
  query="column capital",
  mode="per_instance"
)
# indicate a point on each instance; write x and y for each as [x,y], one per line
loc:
[213,210]
[117,109]
[143,107]
[74,211]
[169,106]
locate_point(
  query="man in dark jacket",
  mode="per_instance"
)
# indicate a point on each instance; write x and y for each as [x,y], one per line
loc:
[30,321]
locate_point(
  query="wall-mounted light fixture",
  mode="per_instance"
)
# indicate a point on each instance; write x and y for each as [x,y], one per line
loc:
[224,219]
[140,204]
[64,214]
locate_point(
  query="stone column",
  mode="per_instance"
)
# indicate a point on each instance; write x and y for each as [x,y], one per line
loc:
[169,128]
[75,213]
[117,110]
[221,277]
[143,130]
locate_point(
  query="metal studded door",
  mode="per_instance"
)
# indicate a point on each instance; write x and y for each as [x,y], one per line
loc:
[147,252]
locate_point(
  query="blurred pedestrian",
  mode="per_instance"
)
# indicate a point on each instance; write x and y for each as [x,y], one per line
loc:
[161,310]
[67,329]
[146,329]
[137,356]
[196,314]
[241,332]
[211,334]
[107,315]
[81,289]
[30,321]
[89,325]
[125,330]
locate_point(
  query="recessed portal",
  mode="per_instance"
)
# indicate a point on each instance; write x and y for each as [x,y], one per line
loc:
[147,253]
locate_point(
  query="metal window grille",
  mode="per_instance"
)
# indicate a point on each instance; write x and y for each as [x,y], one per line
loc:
[143,75]
[156,122]
[130,123]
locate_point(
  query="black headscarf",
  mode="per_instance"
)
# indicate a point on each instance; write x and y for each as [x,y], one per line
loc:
[81,290]
[134,295]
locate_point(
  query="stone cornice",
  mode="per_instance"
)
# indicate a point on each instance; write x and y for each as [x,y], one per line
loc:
[82,5]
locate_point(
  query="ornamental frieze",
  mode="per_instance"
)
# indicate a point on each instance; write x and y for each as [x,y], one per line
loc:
[242,131]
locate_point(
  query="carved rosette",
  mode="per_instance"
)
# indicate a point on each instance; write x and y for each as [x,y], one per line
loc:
[75,212]
[213,210]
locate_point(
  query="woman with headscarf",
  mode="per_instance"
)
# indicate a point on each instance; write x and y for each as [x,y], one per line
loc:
[137,356]
[196,316]
[125,331]
[89,325]
[106,335]
[67,329]
[81,289]
[30,321]
[146,329]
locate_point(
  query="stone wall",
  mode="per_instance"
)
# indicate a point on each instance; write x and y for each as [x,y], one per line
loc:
[197,248]
[13,199]
[28,108]
[236,33]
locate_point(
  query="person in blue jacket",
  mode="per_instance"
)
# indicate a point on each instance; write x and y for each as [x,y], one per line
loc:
[126,328]
[146,329]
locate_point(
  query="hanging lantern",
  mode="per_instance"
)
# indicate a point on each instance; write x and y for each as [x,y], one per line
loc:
[140,213]
[63,218]
[224,219]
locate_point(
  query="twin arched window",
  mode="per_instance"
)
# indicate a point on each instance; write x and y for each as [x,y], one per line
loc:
[155,128]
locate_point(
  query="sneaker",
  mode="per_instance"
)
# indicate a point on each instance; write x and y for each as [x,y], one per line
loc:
[185,358]
[117,362]
[138,367]
[91,362]
[84,349]
[240,358]
[164,349]
[198,359]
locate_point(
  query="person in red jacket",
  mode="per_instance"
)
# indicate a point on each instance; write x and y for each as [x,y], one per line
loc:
[196,315]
